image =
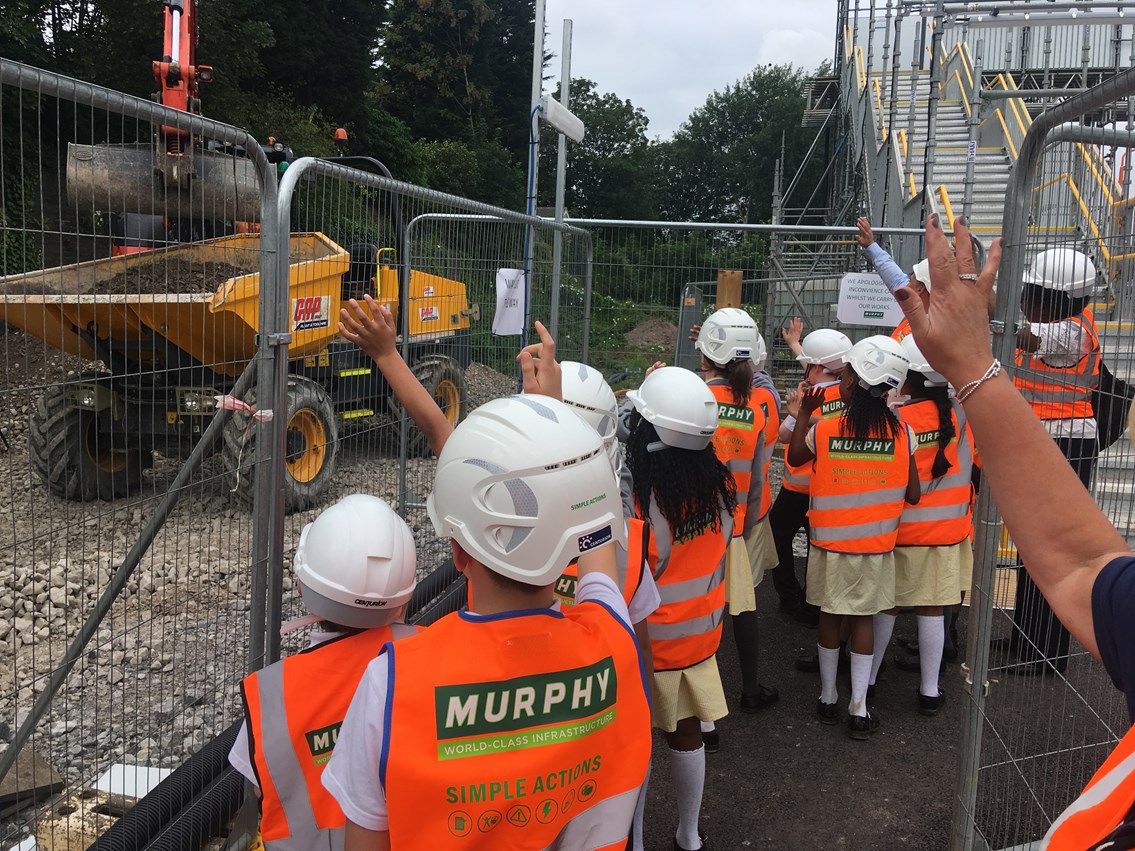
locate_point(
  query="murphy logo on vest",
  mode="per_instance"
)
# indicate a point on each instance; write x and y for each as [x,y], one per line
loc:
[525,712]
[927,437]
[853,447]
[687,530]
[321,742]
[564,589]
[832,406]
[734,417]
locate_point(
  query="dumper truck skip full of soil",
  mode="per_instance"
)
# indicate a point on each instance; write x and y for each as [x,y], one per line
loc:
[175,327]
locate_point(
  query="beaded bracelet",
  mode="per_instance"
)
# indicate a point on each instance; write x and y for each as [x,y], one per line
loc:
[967,390]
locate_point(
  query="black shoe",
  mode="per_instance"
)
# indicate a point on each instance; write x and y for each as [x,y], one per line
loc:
[861,727]
[929,706]
[809,663]
[711,739]
[766,696]
[906,661]
[703,846]
[828,712]
[806,614]
[870,697]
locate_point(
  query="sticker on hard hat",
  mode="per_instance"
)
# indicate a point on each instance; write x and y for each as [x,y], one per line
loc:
[359,601]
[592,540]
[311,312]
[743,353]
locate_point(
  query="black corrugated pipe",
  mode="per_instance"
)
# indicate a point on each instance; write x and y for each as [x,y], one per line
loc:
[166,801]
[431,588]
[203,818]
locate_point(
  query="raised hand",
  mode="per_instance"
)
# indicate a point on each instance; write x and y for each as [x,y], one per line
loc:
[371,328]
[539,368]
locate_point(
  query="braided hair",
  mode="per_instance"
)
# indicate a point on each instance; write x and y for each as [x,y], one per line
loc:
[940,396]
[868,415]
[686,484]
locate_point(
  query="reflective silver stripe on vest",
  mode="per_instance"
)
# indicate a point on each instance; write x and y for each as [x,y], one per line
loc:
[684,629]
[797,478]
[284,768]
[862,499]
[699,586]
[847,533]
[1094,796]
[739,465]
[662,541]
[917,514]
[606,823]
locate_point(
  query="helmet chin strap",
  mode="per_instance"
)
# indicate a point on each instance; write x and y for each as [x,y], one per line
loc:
[299,623]
[655,446]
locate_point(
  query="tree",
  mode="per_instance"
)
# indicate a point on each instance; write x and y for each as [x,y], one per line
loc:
[609,173]
[720,164]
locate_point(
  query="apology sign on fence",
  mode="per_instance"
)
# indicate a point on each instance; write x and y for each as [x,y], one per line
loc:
[865,300]
[509,318]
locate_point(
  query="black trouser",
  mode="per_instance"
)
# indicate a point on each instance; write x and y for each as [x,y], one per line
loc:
[1038,633]
[789,514]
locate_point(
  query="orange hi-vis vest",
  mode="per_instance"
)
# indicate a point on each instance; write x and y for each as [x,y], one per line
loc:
[1061,393]
[630,563]
[293,709]
[738,442]
[797,478]
[1101,807]
[522,730]
[858,490]
[902,331]
[688,564]
[944,514]
[769,403]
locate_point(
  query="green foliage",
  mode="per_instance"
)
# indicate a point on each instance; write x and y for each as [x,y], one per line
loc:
[611,171]
[483,171]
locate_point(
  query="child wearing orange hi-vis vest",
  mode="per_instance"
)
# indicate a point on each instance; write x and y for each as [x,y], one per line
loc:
[355,565]
[520,725]
[821,354]
[688,496]
[863,472]
[933,552]
[727,341]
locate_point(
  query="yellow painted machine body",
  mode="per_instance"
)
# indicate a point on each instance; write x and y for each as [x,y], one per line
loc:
[217,329]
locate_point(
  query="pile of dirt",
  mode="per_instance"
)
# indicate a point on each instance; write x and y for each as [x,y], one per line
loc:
[653,334]
[169,279]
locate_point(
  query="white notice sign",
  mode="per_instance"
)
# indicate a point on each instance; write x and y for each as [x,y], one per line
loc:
[865,300]
[509,318]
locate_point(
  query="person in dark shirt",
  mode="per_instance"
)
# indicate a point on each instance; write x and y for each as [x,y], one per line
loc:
[1077,559]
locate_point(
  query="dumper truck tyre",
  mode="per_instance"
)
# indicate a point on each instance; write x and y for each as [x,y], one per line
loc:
[71,456]
[311,446]
[444,379]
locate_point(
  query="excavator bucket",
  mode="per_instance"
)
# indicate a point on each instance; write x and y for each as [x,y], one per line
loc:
[199,184]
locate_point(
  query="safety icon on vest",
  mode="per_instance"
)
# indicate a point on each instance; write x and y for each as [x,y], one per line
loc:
[519,815]
[547,811]
[460,824]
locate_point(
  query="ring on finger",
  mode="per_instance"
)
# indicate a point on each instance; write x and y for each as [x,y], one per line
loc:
[968,276]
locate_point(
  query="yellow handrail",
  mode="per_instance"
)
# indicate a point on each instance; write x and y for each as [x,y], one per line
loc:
[860,68]
[902,139]
[1005,130]
[879,106]
[944,197]
[913,190]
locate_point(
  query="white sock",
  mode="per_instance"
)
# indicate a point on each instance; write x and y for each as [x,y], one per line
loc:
[860,674]
[829,667]
[884,626]
[707,727]
[931,640]
[639,808]
[688,771]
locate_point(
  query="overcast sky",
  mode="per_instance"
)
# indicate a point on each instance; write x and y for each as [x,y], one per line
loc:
[666,56]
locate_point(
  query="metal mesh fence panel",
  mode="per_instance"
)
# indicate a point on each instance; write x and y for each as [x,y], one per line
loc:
[1051,713]
[437,263]
[129,301]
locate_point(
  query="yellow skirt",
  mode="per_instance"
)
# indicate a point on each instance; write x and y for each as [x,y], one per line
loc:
[762,550]
[851,584]
[693,692]
[933,576]
[740,595]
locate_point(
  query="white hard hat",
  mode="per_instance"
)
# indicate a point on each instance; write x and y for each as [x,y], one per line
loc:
[587,392]
[1064,270]
[879,361]
[728,334]
[921,272]
[824,347]
[356,563]
[918,362]
[760,354]
[525,486]
[679,405]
